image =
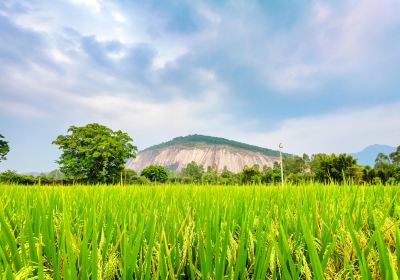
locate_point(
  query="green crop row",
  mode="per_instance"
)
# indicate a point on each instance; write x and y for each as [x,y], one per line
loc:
[199,232]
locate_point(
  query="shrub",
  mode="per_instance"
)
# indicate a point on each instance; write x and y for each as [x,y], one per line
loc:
[155,173]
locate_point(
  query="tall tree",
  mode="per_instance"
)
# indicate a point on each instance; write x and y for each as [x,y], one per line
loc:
[4,148]
[395,156]
[383,168]
[94,153]
[332,167]
[381,158]
[211,175]
[294,164]
[251,175]
[193,171]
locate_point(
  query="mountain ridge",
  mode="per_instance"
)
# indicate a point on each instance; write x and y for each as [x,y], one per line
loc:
[212,140]
[367,155]
[206,150]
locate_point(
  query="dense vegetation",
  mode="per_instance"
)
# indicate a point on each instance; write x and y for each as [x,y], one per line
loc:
[337,168]
[191,140]
[4,148]
[333,218]
[167,232]
[155,173]
[95,154]
[300,170]
[321,168]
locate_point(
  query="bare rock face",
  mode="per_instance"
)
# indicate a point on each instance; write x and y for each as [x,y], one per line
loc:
[177,156]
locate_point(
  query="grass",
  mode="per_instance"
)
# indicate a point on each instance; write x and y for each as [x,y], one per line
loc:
[199,232]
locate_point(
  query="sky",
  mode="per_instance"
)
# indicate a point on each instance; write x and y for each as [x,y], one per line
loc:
[318,76]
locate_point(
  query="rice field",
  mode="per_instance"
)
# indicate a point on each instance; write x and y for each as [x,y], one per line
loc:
[199,232]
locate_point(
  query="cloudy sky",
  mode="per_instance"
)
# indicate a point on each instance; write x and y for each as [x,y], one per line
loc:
[319,76]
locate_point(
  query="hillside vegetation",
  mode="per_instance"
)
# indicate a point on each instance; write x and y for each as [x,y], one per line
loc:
[192,140]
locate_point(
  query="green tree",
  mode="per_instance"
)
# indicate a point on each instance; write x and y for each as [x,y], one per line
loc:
[395,156]
[306,158]
[227,177]
[368,174]
[266,176]
[276,173]
[193,171]
[294,164]
[130,177]
[94,153]
[210,176]
[396,172]
[251,175]
[155,173]
[357,174]
[12,177]
[383,168]
[4,148]
[332,167]
[381,158]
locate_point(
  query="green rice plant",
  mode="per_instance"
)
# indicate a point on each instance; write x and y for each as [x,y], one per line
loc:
[311,231]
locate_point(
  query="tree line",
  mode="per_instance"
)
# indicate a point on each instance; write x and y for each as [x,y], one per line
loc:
[321,167]
[95,154]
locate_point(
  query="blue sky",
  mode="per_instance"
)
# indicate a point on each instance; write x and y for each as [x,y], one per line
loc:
[319,76]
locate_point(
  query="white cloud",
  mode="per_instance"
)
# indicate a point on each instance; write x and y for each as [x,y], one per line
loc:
[93,5]
[353,37]
[321,12]
[59,56]
[168,53]
[331,39]
[190,96]
[344,131]
[21,110]
[295,77]
[119,17]
[80,94]
[104,20]
[151,121]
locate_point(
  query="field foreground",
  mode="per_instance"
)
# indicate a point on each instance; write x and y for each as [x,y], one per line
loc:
[191,232]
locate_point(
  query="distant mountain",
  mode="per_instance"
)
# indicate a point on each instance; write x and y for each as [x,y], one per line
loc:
[205,150]
[367,156]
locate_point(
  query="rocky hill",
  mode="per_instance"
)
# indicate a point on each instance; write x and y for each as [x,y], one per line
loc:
[205,150]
